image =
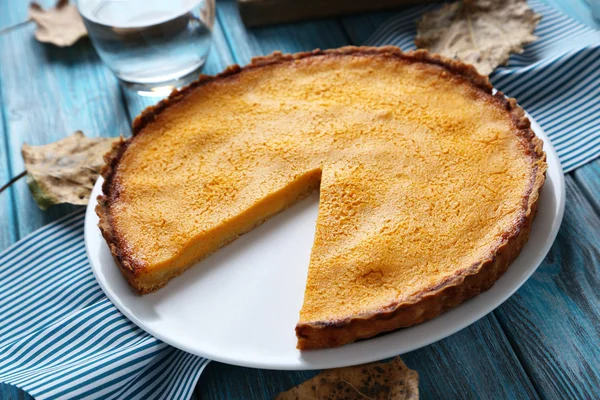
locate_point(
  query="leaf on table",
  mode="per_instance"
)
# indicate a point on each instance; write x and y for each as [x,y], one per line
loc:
[207,14]
[479,32]
[65,171]
[392,380]
[61,25]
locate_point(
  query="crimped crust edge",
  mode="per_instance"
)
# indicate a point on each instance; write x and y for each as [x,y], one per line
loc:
[432,302]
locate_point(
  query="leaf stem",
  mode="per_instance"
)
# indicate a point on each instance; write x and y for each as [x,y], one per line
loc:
[13,180]
[11,27]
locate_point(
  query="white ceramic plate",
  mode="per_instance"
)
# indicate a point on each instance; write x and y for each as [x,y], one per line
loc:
[240,305]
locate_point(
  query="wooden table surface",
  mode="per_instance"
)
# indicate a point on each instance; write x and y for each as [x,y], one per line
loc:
[544,342]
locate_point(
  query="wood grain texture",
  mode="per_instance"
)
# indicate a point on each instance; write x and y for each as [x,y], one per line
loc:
[221,381]
[460,366]
[7,212]
[49,93]
[588,179]
[553,321]
[9,392]
[452,368]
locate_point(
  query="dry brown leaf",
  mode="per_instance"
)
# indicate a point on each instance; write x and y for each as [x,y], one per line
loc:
[479,32]
[207,14]
[65,171]
[377,381]
[61,25]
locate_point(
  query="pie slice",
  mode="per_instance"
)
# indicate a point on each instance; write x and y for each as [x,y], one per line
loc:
[428,182]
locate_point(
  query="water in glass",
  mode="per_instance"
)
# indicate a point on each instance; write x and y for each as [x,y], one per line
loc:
[150,43]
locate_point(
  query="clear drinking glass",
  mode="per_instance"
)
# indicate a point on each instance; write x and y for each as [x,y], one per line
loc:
[152,46]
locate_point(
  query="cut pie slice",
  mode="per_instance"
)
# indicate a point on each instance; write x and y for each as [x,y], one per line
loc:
[429,182]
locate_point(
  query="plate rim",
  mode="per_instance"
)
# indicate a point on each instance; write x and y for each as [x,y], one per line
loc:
[551,154]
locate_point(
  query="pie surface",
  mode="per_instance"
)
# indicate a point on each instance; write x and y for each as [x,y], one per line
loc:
[428,182]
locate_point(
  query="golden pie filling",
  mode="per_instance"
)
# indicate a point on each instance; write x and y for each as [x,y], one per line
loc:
[428,182]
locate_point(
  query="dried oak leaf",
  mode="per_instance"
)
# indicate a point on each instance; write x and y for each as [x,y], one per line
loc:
[207,14]
[479,32]
[392,380]
[61,25]
[65,171]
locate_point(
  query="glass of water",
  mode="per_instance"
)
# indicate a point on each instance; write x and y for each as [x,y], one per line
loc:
[152,46]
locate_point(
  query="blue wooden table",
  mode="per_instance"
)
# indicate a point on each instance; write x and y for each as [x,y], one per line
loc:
[544,342]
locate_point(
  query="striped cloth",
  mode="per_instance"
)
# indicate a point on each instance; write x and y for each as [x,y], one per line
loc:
[556,79]
[61,338]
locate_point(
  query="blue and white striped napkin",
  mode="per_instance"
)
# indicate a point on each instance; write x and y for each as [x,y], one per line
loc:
[60,337]
[556,79]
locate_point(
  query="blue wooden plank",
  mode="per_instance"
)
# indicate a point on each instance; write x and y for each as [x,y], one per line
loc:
[49,93]
[7,218]
[9,231]
[588,179]
[553,320]
[9,392]
[458,367]
[221,381]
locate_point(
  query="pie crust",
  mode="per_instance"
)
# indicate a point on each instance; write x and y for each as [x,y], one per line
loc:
[428,303]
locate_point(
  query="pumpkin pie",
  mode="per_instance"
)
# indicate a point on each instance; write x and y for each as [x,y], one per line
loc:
[429,181]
